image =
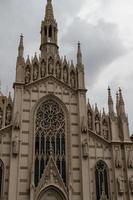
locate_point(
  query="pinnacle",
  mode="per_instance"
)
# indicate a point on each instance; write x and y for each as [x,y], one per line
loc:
[49,15]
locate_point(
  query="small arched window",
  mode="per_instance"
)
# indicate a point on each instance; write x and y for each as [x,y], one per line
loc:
[101,175]
[1,178]
[50,133]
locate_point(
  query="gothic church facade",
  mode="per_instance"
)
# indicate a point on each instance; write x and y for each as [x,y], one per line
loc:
[53,144]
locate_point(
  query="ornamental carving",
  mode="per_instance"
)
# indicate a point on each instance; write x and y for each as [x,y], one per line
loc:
[120,182]
[118,160]
[35,72]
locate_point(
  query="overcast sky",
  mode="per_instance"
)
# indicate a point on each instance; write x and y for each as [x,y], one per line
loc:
[104,28]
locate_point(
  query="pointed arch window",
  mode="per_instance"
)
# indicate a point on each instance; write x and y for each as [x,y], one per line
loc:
[101,175]
[49,132]
[1,178]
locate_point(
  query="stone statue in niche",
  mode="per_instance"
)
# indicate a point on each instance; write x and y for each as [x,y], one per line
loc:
[43,68]
[118,161]
[105,130]
[85,148]
[120,181]
[58,71]
[90,124]
[72,79]
[27,75]
[65,75]
[15,146]
[1,118]
[83,125]
[50,66]
[16,123]
[8,115]
[97,125]
[130,159]
[131,183]
[35,72]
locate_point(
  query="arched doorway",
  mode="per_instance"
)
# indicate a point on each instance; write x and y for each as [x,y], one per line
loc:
[51,193]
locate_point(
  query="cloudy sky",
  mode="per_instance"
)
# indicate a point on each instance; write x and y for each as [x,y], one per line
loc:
[104,28]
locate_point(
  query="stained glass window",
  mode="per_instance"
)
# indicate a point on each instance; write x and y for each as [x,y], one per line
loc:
[49,132]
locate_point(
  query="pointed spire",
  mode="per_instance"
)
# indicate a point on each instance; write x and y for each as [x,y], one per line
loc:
[9,98]
[79,55]
[28,60]
[49,15]
[110,102]
[121,101]
[21,47]
[96,109]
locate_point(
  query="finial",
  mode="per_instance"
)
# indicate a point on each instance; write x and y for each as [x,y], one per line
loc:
[21,46]
[110,100]
[79,54]
[121,101]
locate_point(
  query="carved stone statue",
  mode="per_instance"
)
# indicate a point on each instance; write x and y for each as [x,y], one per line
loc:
[85,148]
[65,75]
[120,181]
[131,183]
[105,130]
[118,161]
[97,125]
[8,115]
[15,146]
[83,126]
[58,71]
[35,72]
[130,159]
[50,66]
[43,68]
[27,75]
[90,120]
[72,80]
[16,123]
[1,116]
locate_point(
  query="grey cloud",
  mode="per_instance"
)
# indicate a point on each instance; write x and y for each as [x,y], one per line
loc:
[101,45]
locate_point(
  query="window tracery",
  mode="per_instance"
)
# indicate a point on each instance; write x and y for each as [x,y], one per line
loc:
[101,176]
[50,132]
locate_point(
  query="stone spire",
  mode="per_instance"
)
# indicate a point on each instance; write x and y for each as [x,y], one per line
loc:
[117,103]
[79,55]
[49,15]
[121,102]
[21,47]
[110,102]
[49,32]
